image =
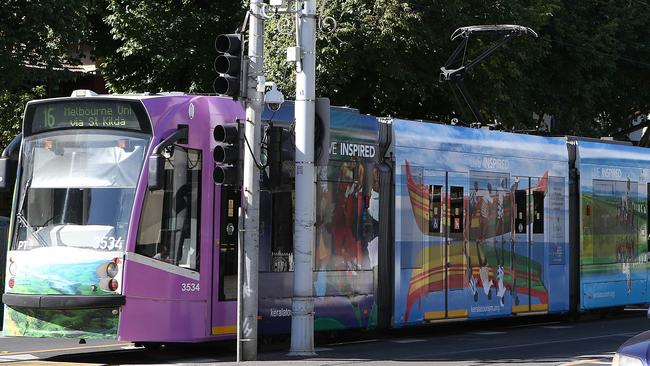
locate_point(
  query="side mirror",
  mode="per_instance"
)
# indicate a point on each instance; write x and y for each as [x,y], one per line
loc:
[156,176]
[8,167]
[9,163]
[156,173]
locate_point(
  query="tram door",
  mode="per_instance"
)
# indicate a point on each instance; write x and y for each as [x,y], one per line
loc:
[457,270]
[490,243]
[520,247]
[538,292]
[445,228]
[434,242]
[528,288]
[224,296]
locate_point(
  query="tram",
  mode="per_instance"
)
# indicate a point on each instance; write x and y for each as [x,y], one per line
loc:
[118,230]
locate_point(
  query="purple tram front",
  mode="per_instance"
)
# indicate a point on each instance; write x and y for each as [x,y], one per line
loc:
[119,231]
[95,251]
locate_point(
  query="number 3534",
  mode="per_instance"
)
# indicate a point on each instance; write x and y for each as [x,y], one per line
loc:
[190,287]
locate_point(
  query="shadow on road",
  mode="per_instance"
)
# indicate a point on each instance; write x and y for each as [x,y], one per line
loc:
[505,341]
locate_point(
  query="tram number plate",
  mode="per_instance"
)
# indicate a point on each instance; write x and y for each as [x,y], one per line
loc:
[110,243]
[190,287]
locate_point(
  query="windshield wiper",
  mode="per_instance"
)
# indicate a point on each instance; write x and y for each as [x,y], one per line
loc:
[29,227]
[21,217]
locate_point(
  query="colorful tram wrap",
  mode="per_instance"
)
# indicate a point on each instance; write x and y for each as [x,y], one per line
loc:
[481,223]
[416,222]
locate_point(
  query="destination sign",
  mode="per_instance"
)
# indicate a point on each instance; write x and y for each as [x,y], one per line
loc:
[85,114]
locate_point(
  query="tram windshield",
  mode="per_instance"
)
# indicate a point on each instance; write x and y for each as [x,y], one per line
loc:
[77,189]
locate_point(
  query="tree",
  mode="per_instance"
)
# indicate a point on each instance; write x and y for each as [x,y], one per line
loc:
[591,79]
[40,41]
[384,57]
[165,44]
[587,69]
[12,105]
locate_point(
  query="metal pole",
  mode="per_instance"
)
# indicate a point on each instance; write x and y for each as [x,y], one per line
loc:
[302,316]
[247,320]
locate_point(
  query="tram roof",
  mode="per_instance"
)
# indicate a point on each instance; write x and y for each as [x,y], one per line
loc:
[434,136]
[599,153]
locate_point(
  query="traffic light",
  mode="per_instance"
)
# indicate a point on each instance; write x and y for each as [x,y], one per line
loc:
[230,65]
[228,154]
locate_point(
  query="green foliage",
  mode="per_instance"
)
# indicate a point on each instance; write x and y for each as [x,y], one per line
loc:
[384,56]
[166,44]
[596,66]
[37,38]
[587,69]
[12,105]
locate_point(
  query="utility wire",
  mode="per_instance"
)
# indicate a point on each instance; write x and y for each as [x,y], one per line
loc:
[259,166]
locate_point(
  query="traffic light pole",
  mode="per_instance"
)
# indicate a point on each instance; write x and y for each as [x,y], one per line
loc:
[302,316]
[248,274]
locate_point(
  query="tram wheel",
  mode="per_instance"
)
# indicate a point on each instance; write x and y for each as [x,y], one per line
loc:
[572,316]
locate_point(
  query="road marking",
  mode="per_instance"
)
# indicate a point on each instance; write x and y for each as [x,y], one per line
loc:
[530,325]
[627,334]
[353,342]
[407,340]
[487,333]
[556,326]
[604,359]
[131,346]
[323,349]
[21,357]
[194,361]
[587,362]
[607,355]
[66,349]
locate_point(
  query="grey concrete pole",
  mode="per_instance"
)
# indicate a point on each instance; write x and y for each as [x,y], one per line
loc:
[302,317]
[247,319]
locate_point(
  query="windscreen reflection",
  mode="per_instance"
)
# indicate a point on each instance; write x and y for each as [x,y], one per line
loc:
[77,190]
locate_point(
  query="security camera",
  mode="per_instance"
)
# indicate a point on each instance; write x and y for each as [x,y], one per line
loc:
[273,97]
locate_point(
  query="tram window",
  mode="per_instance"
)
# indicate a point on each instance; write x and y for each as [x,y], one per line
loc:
[169,223]
[520,211]
[282,242]
[457,214]
[615,221]
[435,208]
[538,212]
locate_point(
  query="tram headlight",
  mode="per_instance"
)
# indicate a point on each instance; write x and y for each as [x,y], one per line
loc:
[623,360]
[111,269]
